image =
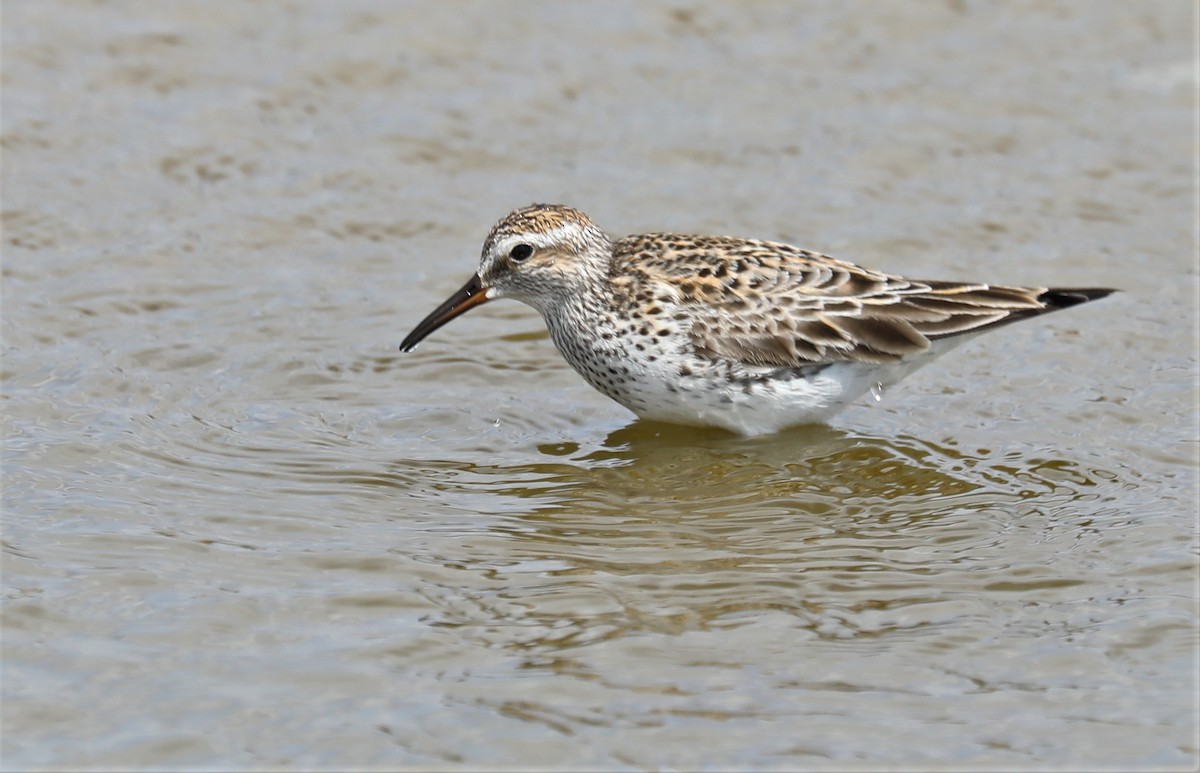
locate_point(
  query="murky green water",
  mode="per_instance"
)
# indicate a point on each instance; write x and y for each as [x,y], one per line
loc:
[243,531]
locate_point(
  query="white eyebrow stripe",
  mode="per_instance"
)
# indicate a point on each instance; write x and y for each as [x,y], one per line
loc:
[566,232]
[555,235]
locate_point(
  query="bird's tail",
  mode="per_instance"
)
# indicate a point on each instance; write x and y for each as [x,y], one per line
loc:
[1066,297]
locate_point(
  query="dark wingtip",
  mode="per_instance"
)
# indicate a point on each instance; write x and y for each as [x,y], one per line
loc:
[1063,298]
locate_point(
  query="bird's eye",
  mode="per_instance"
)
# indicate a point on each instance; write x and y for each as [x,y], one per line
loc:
[520,252]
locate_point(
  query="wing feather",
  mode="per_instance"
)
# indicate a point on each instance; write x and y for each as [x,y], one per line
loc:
[769,304]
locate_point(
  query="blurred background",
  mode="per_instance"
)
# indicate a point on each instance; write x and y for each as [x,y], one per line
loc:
[242,530]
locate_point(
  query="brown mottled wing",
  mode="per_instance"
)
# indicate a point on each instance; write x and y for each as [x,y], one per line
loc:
[768,304]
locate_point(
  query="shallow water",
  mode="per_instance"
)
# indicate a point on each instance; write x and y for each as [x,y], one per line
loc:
[243,531]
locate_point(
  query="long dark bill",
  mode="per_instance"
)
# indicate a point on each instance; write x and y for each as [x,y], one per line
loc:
[469,296]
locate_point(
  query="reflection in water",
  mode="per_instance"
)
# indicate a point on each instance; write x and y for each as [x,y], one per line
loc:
[671,530]
[647,469]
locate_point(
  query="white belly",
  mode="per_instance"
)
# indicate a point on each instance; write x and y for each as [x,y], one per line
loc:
[656,391]
[653,377]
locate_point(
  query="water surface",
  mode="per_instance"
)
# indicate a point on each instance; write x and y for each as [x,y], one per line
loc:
[243,531]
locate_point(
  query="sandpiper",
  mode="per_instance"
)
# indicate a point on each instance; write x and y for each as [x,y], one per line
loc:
[748,335]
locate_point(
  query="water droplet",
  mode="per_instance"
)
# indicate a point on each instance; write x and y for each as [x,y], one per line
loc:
[877,391]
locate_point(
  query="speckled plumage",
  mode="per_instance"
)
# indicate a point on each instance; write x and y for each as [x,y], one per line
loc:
[748,335]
